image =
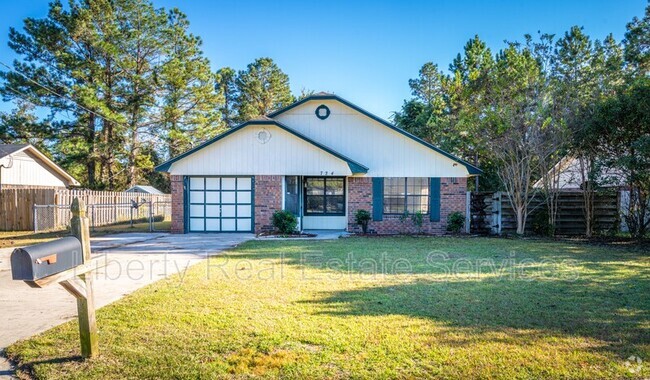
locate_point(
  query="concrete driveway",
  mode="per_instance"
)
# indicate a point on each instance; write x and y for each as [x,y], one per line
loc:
[133,261]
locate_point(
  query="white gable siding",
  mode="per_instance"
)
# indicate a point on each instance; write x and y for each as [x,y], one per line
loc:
[241,153]
[570,177]
[28,170]
[387,153]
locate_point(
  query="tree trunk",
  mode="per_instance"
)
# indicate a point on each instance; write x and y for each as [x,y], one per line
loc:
[476,177]
[91,163]
[521,220]
[586,167]
[131,180]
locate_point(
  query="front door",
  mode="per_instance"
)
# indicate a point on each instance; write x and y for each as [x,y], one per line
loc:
[293,197]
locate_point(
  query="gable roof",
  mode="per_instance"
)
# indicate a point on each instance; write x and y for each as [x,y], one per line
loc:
[144,189]
[354,166]
[471,169]
[9,149]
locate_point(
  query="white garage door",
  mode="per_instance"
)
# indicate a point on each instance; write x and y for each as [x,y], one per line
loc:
[220,204]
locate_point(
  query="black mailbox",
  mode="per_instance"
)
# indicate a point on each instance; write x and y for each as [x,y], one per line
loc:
[43,260]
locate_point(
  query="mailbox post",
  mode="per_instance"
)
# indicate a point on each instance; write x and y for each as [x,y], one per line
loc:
[67,262]
[80,228]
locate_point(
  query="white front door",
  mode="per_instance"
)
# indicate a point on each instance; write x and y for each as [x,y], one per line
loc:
[220,204]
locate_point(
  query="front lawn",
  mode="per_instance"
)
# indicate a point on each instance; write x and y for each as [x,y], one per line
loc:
[375,308]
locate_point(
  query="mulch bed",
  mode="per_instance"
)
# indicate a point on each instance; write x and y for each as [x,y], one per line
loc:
[281,235]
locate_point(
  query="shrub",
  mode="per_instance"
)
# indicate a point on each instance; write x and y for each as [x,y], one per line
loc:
[402,219]
[455,222]
[418,218]
[362,217]
[540,224]
[284,221]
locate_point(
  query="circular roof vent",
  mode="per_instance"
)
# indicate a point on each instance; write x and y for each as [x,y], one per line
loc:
[322,112]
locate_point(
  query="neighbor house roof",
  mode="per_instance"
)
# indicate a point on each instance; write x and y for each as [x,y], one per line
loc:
[144,189]
[7,149]
[354,166]
[10,149]
[471,169]
[570,174]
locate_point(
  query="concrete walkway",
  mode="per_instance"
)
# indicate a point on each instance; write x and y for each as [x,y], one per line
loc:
[133,261]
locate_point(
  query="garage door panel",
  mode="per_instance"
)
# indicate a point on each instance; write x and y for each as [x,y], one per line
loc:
[228,197]
[243,210]
[243,197]
[220,204]
[228,183]
[228,211]
[197,183]
[197,197]
[197,224]
[212,211]
[244,224]
[244,184]
[196,210]
[212,197]
[213,225]
[212,183]
[228,225]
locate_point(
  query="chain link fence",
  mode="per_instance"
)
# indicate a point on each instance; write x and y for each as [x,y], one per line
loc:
[162,216]
[155,214]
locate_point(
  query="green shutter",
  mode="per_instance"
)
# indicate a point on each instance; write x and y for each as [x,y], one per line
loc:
[434,198]
[377,198]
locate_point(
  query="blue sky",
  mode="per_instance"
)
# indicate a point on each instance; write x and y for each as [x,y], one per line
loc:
[364,51]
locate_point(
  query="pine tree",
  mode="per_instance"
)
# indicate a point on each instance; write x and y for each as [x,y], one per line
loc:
[226,79]
[262,88]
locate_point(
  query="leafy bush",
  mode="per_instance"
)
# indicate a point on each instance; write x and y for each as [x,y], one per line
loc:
[362,217]
[284,221]
[418,218]
[540,224]
[455,222]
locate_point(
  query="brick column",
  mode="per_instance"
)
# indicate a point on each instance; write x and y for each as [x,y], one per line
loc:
[178,210]
[268,199]
[453,197]
[359,198]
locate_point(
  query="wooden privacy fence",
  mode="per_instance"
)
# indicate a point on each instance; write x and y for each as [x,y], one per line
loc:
[17,207]
[492,213]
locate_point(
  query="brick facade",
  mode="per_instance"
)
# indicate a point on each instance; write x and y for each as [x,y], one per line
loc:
[268,199]
[452,198]
[178,220]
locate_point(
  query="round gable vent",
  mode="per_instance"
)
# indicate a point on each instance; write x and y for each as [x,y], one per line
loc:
[322,112]
[263,136]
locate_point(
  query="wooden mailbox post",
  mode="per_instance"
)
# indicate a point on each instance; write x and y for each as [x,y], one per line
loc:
[83,290]
[77,280]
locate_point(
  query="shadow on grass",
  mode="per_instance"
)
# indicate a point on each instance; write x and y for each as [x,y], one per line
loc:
[614,313]
[27,368]
[575,289]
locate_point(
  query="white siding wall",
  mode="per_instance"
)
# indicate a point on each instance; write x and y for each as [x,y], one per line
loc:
[241,153]
[387,153]
[325,222]
[27,170]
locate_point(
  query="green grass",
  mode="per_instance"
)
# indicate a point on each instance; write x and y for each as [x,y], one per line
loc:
[21,238]
[296,309]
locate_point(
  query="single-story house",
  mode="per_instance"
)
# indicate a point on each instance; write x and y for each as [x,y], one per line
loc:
[571,173]
[322,158]
[144,189]
[22,166]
